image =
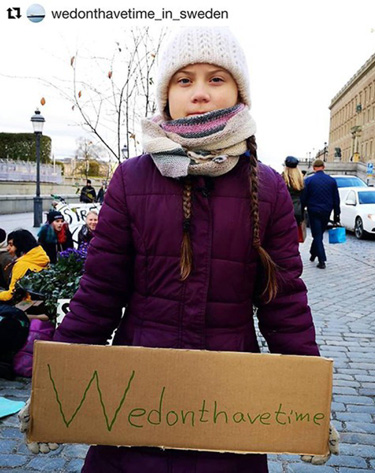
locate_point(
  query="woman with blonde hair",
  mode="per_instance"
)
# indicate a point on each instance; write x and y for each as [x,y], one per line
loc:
[293,178]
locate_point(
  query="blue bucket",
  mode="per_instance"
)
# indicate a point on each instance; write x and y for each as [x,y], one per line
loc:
[337,235]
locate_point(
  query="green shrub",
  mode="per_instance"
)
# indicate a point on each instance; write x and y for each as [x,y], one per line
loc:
[60,281]
[22,146]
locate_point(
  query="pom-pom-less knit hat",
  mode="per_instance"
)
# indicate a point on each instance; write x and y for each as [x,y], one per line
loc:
[54,215]
[212,45]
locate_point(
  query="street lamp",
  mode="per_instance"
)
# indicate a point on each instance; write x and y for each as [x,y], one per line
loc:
[324,151]
[124,152]
[38,121]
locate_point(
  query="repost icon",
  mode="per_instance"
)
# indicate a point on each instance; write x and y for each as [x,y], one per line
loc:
[36,13]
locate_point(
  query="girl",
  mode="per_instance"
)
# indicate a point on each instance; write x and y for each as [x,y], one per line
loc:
[55,236]
[190,233]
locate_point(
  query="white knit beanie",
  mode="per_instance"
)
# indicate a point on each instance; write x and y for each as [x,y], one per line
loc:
[212,45]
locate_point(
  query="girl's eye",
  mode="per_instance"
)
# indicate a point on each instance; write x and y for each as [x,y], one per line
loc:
[183,80]
[217,79]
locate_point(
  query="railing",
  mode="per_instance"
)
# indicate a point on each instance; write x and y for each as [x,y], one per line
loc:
[26,171]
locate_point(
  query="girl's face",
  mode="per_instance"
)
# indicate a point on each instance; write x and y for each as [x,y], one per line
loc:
[58,224]
[200,88]
[11,248]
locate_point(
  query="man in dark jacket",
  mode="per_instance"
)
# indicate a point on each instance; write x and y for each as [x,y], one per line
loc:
[320,196]
[88,193]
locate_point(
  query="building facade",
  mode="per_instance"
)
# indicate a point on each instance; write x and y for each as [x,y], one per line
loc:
[352,122]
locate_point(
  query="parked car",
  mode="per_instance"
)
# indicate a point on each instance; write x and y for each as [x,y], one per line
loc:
[346,181]
[358,211]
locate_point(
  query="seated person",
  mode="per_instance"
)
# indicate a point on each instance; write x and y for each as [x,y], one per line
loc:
[5,261]
[27,254]
[55,236]
[86,233]
[14,329]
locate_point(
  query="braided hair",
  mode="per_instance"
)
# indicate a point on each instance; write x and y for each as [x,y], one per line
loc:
[186,261]
[269,266]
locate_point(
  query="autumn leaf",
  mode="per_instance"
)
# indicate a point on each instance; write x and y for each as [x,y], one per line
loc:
[79,94]
[109,74]
[73,108]
[72,61]
[43,101]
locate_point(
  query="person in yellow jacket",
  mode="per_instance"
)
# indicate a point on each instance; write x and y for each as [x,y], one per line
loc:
[28,254]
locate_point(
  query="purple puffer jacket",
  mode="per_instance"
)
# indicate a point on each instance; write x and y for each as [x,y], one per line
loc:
[133,261]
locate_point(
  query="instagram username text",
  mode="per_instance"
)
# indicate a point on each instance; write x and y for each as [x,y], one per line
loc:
[133,14]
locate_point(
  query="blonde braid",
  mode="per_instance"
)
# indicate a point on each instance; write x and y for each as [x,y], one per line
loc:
[269,266]
[186,260]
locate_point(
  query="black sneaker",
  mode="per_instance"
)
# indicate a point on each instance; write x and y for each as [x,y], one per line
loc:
[321,265]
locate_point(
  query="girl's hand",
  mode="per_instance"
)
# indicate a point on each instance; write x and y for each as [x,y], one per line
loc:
[333,444]
[34,447]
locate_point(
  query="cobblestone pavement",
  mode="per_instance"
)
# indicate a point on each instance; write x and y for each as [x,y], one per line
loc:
[342,299]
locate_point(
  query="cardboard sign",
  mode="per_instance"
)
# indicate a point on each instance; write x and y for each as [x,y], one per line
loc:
[183,399]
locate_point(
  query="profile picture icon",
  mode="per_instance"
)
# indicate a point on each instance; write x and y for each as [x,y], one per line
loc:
[36,13]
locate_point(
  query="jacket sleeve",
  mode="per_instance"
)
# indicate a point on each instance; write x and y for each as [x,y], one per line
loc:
[286,322]
[42,235]
[81,234]
[19,270]
[96,308]
[304,195]
[69,239]
[336,199]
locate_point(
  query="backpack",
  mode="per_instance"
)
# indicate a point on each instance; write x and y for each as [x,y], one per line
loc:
[14,328]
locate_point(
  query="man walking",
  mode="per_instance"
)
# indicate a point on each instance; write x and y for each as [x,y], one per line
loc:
[320,195]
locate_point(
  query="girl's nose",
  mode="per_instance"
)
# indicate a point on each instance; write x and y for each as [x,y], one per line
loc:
[200,94]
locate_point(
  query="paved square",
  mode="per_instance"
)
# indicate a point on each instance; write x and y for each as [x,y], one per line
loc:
[342,300]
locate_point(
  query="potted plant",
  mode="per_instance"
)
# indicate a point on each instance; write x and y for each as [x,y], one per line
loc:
[60,281]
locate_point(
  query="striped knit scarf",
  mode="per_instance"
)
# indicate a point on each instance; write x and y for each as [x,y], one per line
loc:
[53,237]
[209,144]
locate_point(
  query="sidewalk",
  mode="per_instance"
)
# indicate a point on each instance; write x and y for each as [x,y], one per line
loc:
[342,300]
[16,221]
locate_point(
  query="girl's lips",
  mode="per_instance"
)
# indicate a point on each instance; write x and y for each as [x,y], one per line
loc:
[195,113]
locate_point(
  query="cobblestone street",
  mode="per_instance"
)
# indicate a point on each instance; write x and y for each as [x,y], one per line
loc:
[342,299]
